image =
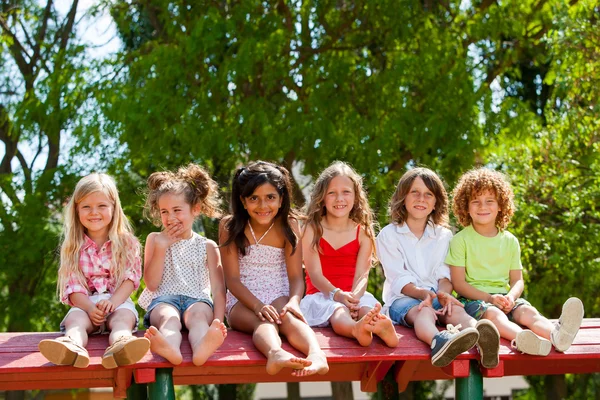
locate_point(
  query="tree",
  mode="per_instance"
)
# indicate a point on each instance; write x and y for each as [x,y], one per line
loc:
[42,70]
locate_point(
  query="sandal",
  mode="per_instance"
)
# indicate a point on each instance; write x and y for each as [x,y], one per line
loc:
[64,351]
[126,350]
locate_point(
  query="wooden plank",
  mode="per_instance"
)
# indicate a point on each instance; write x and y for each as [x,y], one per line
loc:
[144,375]
[493,372]
[404,373]
[457,369]
[373,374]
[121,381]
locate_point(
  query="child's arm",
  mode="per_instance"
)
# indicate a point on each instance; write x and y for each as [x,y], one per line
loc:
[295,275]
[516,289]
[217,282]
[131,280]
[363,265]
[154,259]
[231,268]
[312,263]
[466,290]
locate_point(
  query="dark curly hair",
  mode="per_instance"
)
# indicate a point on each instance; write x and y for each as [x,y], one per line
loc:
[475,182]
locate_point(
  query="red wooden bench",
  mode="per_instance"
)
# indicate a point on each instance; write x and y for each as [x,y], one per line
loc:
[22,367]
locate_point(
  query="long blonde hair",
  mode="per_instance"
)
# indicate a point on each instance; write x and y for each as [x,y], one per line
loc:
[361,212]
[124,245]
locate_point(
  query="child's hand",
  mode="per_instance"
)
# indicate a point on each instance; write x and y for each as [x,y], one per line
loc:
[499,301]
[106,306]
[171,233]
[96,316]
[448,301]
[266,312]
[428,302]
[293,308]
[348,299]
[510,303]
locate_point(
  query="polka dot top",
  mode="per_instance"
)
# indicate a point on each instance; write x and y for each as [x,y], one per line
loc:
[185,273]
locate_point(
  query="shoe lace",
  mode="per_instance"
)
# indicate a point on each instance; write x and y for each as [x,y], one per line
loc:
[453,329]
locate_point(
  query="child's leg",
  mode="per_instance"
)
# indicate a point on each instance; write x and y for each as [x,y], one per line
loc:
[124,349]
[525,341]
[423,321]
[204,338]
[265,336]
[166,340]
[459,317]
[342,323]
[530,317]
[69,349]
[303,338]
[78,326]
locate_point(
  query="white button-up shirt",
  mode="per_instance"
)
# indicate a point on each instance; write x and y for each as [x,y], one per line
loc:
[408,259]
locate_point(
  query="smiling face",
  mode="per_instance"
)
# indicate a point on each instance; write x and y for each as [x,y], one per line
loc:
[95,213]
[419,201]
[339,197]
[483,209]
[175,210]
[263,204]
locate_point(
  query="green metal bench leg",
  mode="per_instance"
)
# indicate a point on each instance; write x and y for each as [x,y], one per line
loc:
[470,388]
[162,387]
[137,391]
[387,389]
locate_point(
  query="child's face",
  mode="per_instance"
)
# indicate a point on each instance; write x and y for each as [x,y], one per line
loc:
[420,201]
[95,213]
[339,197]
[483,209]
[263,204]
[175,210]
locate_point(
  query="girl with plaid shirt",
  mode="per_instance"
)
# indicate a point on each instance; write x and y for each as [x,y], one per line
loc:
[99,269]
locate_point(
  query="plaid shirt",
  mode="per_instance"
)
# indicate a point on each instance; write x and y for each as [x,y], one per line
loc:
[95,265]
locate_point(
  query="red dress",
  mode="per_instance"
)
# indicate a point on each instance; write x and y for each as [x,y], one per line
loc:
[338,265]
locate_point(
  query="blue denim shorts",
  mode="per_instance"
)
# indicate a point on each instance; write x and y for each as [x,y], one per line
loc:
[401,307]
[180,302]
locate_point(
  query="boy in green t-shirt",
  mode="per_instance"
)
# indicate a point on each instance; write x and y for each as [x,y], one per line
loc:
[486,270]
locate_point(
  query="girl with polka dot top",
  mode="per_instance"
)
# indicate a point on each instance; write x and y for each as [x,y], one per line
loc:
[182,270]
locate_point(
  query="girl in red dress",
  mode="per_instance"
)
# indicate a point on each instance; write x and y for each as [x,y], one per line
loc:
[338,245]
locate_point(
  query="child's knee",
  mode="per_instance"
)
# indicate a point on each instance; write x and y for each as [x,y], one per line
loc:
[78,319]
[425,314]
[495,315]
[122,316]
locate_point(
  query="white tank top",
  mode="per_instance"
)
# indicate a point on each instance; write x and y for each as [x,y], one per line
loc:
[185,272]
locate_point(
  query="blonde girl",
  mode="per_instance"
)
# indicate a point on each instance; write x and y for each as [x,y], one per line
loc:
[262,259]
[182,270]
[338,245]
[99,269]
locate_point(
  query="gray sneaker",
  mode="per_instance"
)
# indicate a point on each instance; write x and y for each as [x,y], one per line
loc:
[488,343]
[448,344]
[529,343]
[568,324]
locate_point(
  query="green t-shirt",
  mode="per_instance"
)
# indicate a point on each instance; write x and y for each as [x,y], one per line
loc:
[488,260]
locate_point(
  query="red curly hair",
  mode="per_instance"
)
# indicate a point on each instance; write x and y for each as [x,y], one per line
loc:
[475,182]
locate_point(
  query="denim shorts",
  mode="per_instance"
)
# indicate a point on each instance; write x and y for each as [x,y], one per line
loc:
[400,307]
[179,302]
[476,308]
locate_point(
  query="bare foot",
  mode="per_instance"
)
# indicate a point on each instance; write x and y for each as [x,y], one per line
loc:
[211,341]
[319,365]
[383,327]
[361,330]
[160,346]
[279,359]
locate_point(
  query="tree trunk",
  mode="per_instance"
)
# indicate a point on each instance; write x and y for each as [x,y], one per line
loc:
[555,387]
[341,391]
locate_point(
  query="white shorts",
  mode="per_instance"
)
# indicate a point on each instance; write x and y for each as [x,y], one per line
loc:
[95,298]
[318,308]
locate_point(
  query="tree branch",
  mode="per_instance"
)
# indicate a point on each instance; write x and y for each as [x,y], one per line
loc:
[17,50]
